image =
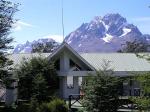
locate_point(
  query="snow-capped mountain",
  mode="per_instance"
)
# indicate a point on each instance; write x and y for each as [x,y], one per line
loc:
[104,34]
[27,47]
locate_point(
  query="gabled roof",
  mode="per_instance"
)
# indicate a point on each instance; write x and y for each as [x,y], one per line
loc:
[118,61]
[64,45]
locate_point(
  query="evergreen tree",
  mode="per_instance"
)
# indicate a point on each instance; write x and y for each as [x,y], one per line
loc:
[7,11]
[143,100]
[37,79]
[143,79]
[40,88]
[101,92]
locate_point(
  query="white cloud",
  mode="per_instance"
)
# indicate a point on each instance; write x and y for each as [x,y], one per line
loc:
[25,24]
[20,24]
[57,38]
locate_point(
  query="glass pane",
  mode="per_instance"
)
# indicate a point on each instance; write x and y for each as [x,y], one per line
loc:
[80,81]
[70,82]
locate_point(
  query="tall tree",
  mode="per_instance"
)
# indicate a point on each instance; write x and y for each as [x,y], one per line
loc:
[7,11]
[143,101]
[143,79]
[101,92]
[37,79]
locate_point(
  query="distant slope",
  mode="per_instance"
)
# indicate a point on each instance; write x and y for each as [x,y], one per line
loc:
[27,47]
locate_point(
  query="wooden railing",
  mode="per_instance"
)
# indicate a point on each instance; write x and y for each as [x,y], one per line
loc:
[75,98]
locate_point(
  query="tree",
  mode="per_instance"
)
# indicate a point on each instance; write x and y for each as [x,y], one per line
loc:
[143,100]
[37,79]
[134,47]
[44,47]
[56,105]
[7,11]
[101,92]
[40,88]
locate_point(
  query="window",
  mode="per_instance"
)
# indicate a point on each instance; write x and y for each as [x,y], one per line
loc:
[70,82]
[80,81]
[136,91]
[74,69]
[74,66]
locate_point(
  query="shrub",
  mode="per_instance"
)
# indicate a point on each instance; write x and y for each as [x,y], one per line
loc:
[101,91]
[23,108]
[37,79]
[31,106]
[55,105]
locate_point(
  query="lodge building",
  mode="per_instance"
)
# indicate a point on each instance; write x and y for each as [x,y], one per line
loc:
[72,67]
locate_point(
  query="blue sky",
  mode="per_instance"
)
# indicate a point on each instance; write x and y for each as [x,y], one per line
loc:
[42,18]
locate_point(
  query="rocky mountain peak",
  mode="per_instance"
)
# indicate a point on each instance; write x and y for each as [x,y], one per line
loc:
[104,34]
[110,19]
[101,34]
[28,46]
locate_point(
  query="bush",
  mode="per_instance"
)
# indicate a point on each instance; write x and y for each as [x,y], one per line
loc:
[7,109]
[142,103]
[101,92]
[31,106]
[23,108]
[55,105]
[37,79]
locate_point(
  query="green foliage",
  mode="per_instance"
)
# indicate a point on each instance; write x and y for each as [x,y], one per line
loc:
[55,105]
[7,11]
[101,92]
[44,47]
[143,100]
[25,107]
[37,79]
[7,109]
[134,47]
[40,87]
[143,103]
[81,110]
[144,80]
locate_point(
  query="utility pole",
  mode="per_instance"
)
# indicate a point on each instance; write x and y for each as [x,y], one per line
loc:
[62,18]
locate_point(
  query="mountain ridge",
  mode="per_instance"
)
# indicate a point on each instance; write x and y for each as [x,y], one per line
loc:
[102,34]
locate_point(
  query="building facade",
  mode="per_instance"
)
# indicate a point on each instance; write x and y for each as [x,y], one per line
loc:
[72,67]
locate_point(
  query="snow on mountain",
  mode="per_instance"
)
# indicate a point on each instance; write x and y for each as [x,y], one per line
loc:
[27,47]
[104,34]
[125,31]
[57,38]
[107,38]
